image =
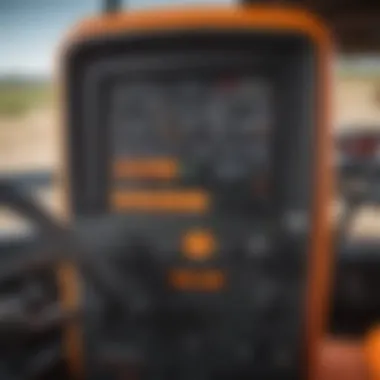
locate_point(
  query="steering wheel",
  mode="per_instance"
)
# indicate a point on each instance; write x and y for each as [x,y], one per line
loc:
[60,244]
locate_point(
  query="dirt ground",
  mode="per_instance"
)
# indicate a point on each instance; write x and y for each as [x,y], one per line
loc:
[31,142]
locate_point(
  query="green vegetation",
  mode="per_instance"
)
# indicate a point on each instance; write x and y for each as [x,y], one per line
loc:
[18,97]
[357,72]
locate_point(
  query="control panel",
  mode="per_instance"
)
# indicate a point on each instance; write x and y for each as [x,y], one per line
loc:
[191,175]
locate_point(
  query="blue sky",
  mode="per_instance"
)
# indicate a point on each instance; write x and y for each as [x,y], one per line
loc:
[31,29]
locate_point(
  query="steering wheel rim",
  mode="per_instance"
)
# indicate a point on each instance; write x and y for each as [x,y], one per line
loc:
[120,292]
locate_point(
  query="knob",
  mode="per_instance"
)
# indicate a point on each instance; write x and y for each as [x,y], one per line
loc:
[267,296]
[258,246]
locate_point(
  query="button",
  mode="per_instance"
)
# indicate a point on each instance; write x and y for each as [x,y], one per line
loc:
[296,222]
[198,245]
[258,246]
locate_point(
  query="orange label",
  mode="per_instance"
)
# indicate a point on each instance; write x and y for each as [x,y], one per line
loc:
[189,201]
[207,280]
[146,168]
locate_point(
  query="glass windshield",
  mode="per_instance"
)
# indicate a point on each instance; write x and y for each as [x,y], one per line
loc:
[31,33]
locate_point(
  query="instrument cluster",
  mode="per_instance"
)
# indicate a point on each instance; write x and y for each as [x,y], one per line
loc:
[171,116]
[215,134]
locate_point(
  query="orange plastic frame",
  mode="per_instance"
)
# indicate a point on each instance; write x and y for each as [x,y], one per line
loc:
[260,18]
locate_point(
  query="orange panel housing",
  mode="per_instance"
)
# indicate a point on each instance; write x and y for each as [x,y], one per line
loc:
[260,18]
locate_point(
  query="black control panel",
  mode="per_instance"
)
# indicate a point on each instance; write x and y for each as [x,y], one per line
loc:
[233,312]
[191,175]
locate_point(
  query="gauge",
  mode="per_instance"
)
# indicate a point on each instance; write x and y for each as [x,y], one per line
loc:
[248,109]
[190,99]
[134,109]
[141,116]
[216,116]
[214,127]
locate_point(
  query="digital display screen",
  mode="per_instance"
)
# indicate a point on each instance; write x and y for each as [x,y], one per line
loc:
[208,134]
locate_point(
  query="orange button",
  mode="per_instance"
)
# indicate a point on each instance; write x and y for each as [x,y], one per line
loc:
[198,245]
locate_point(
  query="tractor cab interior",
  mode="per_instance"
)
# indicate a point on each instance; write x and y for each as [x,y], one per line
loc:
[197,243]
